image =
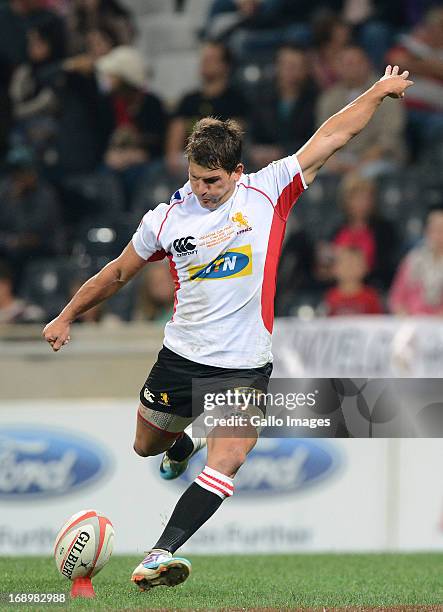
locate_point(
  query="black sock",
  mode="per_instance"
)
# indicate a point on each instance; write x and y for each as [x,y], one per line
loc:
[197,504]
[181,449]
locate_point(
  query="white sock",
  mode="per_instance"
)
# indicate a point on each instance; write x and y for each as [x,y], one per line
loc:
[215,482]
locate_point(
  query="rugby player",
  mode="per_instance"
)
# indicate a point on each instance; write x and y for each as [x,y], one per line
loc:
[222,233]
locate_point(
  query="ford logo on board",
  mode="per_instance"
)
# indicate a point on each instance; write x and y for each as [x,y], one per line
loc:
[279,466]
[47,462]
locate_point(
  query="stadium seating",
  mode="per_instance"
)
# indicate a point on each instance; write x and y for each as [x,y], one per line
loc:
[106,238]
[175,73]
[166,33]
[92,195]
[197,11]
[47,282]
[156,187]
[122,304]
[317,211]
[145,7]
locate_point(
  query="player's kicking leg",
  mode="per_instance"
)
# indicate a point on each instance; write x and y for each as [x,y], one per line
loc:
[226,453]
[159,567]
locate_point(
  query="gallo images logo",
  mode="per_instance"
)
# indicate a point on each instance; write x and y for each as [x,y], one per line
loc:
[38,463]
[280,466]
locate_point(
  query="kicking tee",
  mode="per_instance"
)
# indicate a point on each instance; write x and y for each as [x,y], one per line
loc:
[224,265]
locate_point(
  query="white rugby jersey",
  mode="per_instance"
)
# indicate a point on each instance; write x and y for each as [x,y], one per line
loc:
[224,265]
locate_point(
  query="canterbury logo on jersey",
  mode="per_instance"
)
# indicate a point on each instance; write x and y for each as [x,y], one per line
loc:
[184,246]
[230,264]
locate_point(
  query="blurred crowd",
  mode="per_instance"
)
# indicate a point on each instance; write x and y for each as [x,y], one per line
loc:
[87,147]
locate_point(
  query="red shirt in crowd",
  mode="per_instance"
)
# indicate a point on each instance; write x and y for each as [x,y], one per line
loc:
[365,301]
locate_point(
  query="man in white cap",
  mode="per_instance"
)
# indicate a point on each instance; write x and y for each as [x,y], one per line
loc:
[123,74]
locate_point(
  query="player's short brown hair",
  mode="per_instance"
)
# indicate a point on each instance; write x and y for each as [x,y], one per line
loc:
[215,143]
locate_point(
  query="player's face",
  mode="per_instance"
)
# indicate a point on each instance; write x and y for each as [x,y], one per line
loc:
[213,187]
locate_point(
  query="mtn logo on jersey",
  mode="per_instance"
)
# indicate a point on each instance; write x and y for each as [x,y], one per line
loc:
[242,222]
[231,264]
[185,246]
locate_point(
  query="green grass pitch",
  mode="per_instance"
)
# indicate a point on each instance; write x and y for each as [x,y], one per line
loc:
[319,581]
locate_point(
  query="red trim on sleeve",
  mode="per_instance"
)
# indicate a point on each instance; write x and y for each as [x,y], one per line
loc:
[289,196]
[174,274]
[157,256]
[285,202]
[276,236]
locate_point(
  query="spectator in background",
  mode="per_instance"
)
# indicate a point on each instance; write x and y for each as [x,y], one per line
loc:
[418,285]
[422,52]
[217,97]
[85,120]
[59,6]
[139,116]
[99,42]
[226,15]
[351,296]
[127,160]
[29,213]
[156,294]
[33,89]
[123,74]
[86,15]
[363,228]
[5,110]
[16,18]
[13,309]
[379,149]
[283,114]
[330,35]
[270,13]
[374,23]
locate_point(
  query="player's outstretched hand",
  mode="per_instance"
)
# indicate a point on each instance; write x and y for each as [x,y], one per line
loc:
[57,333]
[395,84]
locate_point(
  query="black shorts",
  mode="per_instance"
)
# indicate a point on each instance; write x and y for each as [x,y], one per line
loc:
[169,386]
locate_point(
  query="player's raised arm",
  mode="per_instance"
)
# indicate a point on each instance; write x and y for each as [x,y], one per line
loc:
[97,289]
[338,130]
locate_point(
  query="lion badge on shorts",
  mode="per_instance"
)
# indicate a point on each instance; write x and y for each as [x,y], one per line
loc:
[164,399]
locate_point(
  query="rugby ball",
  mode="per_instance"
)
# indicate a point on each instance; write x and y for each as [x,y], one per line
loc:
[84,545]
